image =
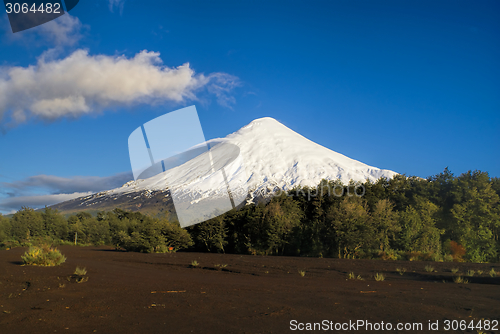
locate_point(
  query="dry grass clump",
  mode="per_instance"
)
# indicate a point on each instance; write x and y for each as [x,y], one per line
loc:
[194,264]
[459,280]
[429,269]
[401,271]
[80,271]
[351,275]
[43,256]
[302,273]
[379,277]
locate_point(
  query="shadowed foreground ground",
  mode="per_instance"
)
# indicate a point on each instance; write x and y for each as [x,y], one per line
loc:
[160,293]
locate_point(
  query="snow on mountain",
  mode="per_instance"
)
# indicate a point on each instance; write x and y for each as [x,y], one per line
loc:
[271,156]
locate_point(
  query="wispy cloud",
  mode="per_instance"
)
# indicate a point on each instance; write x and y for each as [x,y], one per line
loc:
[40,190]
[56,184]
[13,204]
[66,30]
[84,84]
[116,4]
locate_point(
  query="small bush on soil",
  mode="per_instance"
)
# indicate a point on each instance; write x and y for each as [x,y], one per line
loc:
[470,273]
[43,256]
[379,277]
[80,271]
[302,273]
[479,272]
[220,266]
[492,273]
[351,275]
[401,271]
[429,269]
[454,270]
[194,263]
[459,280]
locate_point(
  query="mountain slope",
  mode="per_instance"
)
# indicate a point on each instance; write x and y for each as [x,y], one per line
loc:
[271,156]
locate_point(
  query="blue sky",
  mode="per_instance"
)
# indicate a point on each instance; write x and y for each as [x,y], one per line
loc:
[409,86]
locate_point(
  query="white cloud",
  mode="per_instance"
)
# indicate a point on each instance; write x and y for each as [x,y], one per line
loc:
[13,204]
[66,30]
[84,84]
[56,184]
[116,3]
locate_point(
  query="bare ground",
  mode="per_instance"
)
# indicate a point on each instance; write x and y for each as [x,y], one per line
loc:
[163,293]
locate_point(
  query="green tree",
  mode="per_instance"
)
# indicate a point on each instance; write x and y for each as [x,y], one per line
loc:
[418,230]
[55,225]
[4,228]
[352,227]
[27,224]
[385,223]
[212,234]
[477,217]
[283,215]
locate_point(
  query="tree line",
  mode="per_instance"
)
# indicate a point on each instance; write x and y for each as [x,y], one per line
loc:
[444,217]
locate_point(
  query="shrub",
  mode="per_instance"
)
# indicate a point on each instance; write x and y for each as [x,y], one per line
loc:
[379,277]
[401,271]
[154,236]
[492,273]
[457,250]
[220,266]
[429,269]
[80,271]
[470,273]
[459,280]
[43,256]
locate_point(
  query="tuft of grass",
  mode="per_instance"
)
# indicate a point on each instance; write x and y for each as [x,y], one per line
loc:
[379,277]
[220,266]
[43,256]
[429,268]
[470,273]
[302,273]
[492,273]
[401,271]
[454,270]
[480,272]
[460,280]
[194,263]
[80,271]
[351,275]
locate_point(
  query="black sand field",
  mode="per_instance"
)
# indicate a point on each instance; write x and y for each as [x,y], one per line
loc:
[162,293]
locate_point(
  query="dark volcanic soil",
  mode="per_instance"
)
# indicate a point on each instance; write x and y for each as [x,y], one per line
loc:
[161,293]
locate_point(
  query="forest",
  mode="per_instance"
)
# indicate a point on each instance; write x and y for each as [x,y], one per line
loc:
[440,218]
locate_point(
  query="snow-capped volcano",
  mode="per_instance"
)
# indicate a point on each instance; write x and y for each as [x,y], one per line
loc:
[274,153]
[271,156]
